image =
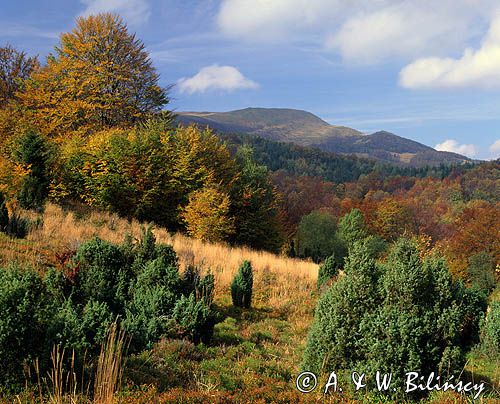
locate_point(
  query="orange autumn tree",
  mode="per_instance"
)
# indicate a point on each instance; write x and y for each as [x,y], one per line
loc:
[99,77]
[477,231]
[393,219]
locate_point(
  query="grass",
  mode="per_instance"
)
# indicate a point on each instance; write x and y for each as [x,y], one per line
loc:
[255,354]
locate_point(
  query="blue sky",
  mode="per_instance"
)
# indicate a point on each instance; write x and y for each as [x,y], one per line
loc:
[425,70]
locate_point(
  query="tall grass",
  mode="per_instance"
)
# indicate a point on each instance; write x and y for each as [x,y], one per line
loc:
[276,278]
[110,366]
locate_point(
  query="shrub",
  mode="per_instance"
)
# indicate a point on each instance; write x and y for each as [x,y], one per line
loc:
[241,287]
[201,286]
[328,270]
[195,318]
[153,298]
[490,331]
[481,272]
[103,274]
[352,227]
[18,226]
[403,315]
[22,322]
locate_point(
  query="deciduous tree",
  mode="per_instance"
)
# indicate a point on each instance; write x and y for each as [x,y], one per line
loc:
[100,76]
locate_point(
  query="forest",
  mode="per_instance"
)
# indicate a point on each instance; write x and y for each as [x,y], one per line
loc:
[146,261]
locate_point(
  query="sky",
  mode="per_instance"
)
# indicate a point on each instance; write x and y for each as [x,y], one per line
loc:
[423,69]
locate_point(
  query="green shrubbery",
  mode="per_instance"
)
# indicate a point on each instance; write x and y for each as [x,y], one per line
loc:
[481,272]
[241,288]
[23,322]
[32,152]
[328,270]
[490,331]
[403,315]
[317,237]
[136,284]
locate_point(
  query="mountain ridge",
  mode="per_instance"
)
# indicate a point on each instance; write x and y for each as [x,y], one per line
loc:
[306,129]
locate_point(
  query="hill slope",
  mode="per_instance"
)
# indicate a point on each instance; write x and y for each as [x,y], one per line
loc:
[306,129]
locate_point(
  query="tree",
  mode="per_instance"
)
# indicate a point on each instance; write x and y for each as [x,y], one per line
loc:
[207,215]
[393,220]
[147,173]
[32,153]
[255,205]
[477,230]
[490,331]
[100,76]
[396,317]
[15,66]
[316,237]
[327,270]
[481,272]
[242,285]
[4,214]
[352,227]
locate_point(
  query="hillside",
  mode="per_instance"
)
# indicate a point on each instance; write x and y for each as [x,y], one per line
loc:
[306,129]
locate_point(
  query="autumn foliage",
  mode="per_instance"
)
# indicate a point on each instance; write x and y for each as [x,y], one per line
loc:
[100,76]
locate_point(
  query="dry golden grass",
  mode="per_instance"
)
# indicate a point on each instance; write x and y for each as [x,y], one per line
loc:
[110,366]
[65,231]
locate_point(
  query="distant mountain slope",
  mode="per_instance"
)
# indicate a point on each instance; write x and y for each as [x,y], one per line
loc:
[306,129]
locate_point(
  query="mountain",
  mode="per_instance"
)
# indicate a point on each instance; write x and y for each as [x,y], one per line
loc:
[306,129]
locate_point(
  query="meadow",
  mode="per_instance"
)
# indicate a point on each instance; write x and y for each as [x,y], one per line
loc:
[255,353]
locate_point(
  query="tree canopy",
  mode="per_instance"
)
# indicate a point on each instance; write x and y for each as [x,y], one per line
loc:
[100,76]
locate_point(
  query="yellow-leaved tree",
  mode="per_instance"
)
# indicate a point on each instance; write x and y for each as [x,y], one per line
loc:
[207,215]
[99,77]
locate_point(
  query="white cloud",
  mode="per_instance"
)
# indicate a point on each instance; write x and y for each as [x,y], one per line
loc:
[495,149]
[272,20]
[134,12]
[362,31]
[451,145]
[397,31]
[216,77]
[476,68]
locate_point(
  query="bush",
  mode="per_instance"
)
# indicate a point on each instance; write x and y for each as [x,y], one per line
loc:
[241,287]
[490,331]
[195,318]
[74,307]
[201,286]
[328,270]
[481,272]
[103,274]
[352,227]
[403,315]
[18,226]
[153,298]
[22,322]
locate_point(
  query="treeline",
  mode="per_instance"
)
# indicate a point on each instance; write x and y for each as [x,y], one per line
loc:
[457,217]
[88,127]
[307,161]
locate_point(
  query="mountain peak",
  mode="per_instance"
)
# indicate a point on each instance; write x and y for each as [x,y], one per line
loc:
[306,129]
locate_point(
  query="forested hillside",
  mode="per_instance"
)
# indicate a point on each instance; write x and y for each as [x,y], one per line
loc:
[305,129]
